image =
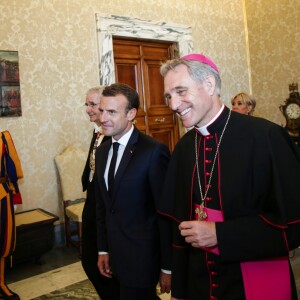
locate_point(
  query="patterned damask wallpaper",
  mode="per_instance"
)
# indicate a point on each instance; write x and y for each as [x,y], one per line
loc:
[58,62]
[274,39]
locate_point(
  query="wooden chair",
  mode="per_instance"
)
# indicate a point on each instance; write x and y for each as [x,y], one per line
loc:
[70,164]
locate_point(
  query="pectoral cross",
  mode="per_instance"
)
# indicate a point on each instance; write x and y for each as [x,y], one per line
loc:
[201,213]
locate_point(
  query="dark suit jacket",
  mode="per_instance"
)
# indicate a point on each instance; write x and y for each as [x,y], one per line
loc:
[86,172]
[127,224]
[88,215]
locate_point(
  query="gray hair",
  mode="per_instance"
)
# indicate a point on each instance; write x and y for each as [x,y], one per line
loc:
[197,70]
[96,89]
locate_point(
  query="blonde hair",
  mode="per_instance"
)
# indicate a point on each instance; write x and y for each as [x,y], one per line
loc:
[249,100]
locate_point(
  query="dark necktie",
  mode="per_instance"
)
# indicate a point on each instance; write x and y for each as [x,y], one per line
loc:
[112,167]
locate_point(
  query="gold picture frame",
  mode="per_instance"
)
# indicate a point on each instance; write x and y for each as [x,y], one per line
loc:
[10,95]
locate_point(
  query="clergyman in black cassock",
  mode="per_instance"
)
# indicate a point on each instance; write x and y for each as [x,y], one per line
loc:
[231,192]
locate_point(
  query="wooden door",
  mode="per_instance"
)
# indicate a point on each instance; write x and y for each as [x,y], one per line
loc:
[137,63]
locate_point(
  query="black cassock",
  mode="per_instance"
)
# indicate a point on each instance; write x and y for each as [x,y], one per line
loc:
[256,185]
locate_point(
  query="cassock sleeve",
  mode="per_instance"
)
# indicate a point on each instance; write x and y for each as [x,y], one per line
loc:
[275,229]
[251,238]
[179,251]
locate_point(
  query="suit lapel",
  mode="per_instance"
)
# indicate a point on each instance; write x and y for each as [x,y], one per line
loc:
[86,171]
[102,154]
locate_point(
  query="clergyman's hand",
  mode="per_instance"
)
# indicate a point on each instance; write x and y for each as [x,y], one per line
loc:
[199,233]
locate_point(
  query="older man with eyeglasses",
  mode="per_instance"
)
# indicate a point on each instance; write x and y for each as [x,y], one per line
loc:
[89,233]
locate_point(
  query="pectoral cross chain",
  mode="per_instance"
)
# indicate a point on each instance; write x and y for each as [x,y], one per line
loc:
[201,213]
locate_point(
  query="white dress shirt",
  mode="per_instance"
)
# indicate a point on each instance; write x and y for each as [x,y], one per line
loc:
[123,141]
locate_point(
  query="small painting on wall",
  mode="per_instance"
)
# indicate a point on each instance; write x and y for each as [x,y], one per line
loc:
[10,96]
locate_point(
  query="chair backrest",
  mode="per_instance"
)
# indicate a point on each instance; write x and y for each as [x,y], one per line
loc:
[70,164]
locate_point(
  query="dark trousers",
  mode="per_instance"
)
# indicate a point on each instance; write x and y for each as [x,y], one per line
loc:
[138,294]
[89,256]
[122,292]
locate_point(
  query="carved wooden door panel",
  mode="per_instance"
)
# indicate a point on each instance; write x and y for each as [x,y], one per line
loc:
[137,64]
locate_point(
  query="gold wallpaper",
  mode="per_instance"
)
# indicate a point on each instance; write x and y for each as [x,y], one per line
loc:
[274,39]
[58,62]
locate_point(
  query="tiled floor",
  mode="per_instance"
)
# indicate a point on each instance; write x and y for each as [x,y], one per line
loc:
[56,269]
[61,267]
[295,261]
[48,282]
[54,259]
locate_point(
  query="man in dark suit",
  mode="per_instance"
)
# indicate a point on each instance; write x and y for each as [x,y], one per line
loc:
[129,241]
[89,233]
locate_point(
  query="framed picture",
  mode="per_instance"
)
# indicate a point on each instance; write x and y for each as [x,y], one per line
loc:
[10,96]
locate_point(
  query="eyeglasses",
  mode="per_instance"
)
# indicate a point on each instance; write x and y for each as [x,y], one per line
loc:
[90,104]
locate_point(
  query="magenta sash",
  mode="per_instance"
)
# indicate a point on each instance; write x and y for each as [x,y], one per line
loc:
[264,279]
[267,279]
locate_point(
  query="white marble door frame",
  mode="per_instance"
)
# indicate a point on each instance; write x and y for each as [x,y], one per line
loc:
[111,25]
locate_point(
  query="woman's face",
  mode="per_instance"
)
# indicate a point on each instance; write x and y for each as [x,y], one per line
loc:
[240,106]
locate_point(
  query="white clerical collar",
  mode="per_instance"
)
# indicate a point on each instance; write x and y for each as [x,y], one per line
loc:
[125,138]
[203,130]
[97,128]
